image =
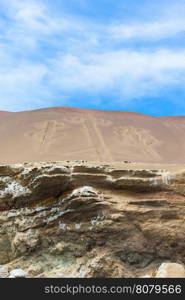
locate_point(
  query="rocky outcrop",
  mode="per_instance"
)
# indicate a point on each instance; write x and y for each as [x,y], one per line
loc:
[79,219]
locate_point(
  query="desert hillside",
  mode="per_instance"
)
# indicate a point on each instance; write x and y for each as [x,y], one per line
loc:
[64,133]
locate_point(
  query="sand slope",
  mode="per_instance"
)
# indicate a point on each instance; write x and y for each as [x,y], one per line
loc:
[80,134]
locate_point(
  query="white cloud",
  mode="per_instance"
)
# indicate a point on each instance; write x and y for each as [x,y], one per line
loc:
[44,55]
[21,87]
[150,30]
[132,73]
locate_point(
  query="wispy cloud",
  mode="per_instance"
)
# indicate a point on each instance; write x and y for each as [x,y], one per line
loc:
[132,73]
[150,30]
[48,53]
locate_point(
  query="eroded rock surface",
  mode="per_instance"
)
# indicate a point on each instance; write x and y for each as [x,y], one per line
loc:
[82,219]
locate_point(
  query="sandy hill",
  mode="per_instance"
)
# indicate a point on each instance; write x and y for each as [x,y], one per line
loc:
[64,133]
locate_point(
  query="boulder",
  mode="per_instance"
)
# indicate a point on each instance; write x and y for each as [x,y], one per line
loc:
[18,273]
[170,270]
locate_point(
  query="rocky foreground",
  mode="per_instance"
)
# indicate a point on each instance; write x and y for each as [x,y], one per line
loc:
[82,219]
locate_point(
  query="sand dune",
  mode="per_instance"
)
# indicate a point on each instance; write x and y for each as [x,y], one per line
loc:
[64,133]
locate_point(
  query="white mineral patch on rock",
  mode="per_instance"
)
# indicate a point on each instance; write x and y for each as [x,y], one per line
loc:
[165,176]
[83,191]
[153,181]
[27,171]
[96,220]
[59,169]
[17,166]
[13,213]
[77,226]
[56,216]
[6,179]
[42,176]
[15,189]
[55,209]
[62,225]
[40,208]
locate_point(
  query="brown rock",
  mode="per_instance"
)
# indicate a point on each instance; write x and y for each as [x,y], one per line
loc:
[87,219]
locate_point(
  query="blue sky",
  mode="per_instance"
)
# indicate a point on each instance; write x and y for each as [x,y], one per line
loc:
[103,54]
